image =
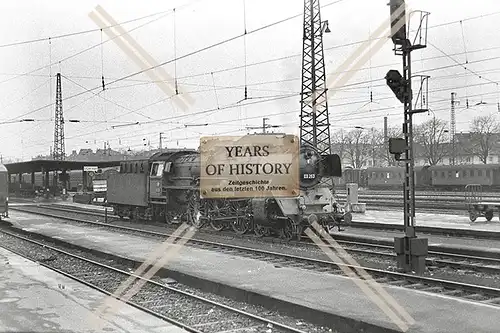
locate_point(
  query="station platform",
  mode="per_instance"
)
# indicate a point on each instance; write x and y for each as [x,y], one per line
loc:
[335,295]
[428,220]
[36,299]
[486,245]
[98,208]
[61,203]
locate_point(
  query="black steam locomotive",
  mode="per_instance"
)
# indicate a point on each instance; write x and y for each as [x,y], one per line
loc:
[165,187]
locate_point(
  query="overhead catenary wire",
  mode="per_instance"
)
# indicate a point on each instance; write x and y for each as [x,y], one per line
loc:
[80,52]
[245,47]
[181,57]
[340,119]
[88,31]
[175,57]
[389,97]
[346,85]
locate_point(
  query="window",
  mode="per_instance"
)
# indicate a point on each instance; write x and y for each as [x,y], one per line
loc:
[479,173]
[457,174]
[388,175]
[468,159]
[490,158]
[488,173]
[154,169]
[161,167]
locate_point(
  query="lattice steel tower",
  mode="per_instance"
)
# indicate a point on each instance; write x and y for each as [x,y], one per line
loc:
[314,120]
[58,153]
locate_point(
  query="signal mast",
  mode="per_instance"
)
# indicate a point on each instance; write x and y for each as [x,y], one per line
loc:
[411,251]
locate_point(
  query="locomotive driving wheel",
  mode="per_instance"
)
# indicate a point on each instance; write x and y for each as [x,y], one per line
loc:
[241,223]
[194,212]
[215,212]
[288,230]
[260,230]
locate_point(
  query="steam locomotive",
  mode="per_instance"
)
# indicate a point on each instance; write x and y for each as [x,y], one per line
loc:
[165,188]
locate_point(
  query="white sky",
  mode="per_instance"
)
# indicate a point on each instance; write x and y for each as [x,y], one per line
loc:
[206,22]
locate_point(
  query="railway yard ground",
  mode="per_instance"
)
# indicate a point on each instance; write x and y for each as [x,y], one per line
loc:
[294,284]
[37,299]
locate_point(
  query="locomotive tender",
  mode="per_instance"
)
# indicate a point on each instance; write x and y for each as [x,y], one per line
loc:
[165,187]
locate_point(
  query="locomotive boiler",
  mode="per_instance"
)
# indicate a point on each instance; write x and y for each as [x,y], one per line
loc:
[166,188]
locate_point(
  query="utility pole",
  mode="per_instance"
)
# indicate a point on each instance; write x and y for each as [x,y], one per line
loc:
[161,142]
[411,251]
[58,152]
[453,128]
[314,118]
[386,143]
[263,127]
[373,147]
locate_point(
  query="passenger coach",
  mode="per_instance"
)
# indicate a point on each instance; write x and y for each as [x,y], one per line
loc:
[456,177]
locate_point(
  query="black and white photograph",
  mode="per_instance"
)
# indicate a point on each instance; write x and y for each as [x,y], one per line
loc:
[250,166]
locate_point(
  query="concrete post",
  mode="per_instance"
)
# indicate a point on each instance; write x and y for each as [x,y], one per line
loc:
[352,199]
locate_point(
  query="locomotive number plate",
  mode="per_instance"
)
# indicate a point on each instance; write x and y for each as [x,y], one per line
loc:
[250,166]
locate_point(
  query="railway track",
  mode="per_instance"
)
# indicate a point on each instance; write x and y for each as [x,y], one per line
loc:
[179,305]
[355,224]
[418,193]
[446,259]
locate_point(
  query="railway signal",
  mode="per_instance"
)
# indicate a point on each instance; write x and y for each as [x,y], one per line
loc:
[395,81]
[397,146]
[410,250]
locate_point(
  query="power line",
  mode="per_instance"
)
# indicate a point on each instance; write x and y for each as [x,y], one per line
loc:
[461,64]
[353,84]
[203,112]
[169,61]
[82,32]
[82,51]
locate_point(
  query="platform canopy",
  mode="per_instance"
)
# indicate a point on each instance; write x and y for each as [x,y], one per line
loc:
[52,165]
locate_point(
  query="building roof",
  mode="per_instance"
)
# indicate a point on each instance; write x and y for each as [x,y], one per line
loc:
[52,165]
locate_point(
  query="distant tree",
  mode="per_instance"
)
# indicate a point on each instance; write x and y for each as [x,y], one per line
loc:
[378,147]
[339,143]
[483,130]
[358,147]
[432,136]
